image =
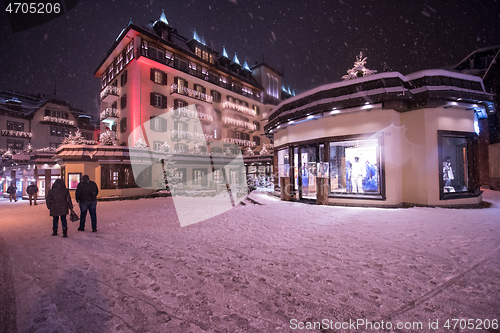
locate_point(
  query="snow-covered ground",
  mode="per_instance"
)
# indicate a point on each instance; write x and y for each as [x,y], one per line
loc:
[268,267]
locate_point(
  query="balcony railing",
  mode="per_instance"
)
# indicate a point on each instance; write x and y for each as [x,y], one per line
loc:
[18,134]
[191,136]
[56,120]
[174,88]
[239,123]
[240,142]
[192,114]
[183,66]
[109,94]
[240,108]
[109,113]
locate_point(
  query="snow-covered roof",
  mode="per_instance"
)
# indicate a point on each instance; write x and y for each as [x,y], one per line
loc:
[313,98]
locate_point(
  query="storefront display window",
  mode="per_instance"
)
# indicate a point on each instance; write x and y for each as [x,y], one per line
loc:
[73,180]
[455,156]
[355,167]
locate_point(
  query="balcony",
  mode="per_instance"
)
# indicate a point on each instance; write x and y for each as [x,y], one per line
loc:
[191,136]
[245,125]
[17,134]
[109,94]
[188,114]
[185,91]
[239,108]
[111,113]
[240,142]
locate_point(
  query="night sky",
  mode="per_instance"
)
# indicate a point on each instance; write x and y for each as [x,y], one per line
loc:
[314,42]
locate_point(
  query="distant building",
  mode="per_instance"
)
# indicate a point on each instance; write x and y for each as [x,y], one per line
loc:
[31,128]
[382,140]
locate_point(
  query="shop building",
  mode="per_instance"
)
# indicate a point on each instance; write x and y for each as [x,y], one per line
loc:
[382,140]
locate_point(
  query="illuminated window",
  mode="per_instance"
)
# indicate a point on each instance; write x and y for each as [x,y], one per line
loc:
[205,56]
[200,177]
[216,96]
[15,126]
[198,51]
[355,167]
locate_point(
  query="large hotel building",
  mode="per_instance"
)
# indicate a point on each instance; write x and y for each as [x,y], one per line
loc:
[153,70]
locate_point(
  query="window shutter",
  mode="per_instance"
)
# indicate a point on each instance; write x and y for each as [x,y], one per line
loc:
[164,79]
[164,102]
[163,124]
[204,90]
[152,99]
[152,121]
[176,80]
[152,74]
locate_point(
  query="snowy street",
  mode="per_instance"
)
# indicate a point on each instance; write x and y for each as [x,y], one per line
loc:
[268,267]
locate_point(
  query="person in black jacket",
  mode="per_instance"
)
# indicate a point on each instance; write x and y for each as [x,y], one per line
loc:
[32,191]
[86,195]
[59,203]
[12,192]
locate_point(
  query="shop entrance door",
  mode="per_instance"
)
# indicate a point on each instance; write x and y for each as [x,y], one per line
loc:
[308,172]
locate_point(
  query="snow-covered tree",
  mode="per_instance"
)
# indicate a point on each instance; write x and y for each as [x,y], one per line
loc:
[264,151]
[74,139]
[141,143]
[165,147]
[359,69]
[108,138]
[196,149]
[8,154]
[29,149]
[169,174]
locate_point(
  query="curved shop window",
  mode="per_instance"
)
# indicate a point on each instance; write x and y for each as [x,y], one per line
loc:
[355,167]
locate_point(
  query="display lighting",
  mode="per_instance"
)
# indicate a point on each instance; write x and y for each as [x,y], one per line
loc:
[335,112]
[174,88]
[240,108]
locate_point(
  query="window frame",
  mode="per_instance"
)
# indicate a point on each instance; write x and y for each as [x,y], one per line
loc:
[473,182]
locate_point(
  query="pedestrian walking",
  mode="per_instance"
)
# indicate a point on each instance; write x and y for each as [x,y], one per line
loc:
[12,192]
[32,191]
[59,203]
[86,195]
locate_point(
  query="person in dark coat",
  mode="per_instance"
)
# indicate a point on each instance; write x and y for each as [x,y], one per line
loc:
[59,203]
[86,195]
[32,191]
[12,192]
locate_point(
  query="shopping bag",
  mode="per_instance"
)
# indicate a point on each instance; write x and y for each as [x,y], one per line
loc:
[73,217]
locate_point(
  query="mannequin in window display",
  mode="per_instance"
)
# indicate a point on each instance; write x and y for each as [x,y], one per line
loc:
[348,183]
[448,174]
[357,175]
